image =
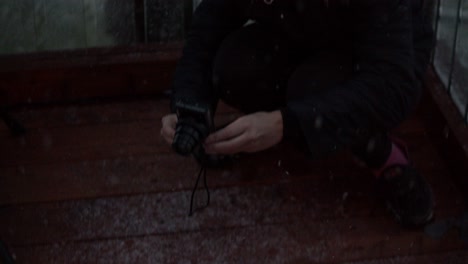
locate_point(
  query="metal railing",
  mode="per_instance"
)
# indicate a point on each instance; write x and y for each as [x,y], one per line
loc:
[51,25]
[451,54]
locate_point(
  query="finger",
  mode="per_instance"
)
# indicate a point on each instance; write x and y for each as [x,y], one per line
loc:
[168,127]
[232,146]
[168,140]
[233,130]
[169,121]
[168,134]
[167,131]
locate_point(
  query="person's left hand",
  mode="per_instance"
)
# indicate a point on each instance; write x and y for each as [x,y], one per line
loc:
[249,133]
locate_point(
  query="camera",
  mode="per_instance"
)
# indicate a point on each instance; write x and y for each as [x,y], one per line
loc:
[195,122]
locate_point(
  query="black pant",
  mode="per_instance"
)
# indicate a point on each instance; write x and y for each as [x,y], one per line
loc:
[257,70]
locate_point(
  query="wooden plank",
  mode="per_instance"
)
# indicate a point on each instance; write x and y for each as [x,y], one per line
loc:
[68,149]
[81,83]
[161,213]
[97,72]
[236,199]
[449,133]
[301,241]
[103,111]
[109,140]
[71,133]
[83,143]
[77,162]
[90,132]
[130,173]
[92,57]
[98,112]
[456,257]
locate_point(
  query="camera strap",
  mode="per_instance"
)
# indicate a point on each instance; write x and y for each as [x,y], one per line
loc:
[202,171]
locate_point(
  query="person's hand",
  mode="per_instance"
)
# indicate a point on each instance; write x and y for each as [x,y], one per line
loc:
[250,133]
[169,123]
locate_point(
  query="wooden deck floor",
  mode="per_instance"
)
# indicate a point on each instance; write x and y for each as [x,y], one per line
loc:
[94,183]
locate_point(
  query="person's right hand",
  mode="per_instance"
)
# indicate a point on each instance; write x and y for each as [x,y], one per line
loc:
[168,123]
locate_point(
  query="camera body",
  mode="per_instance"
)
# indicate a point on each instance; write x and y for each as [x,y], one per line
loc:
[195,122]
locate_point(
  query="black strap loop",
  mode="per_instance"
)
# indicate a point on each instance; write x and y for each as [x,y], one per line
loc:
[202,171]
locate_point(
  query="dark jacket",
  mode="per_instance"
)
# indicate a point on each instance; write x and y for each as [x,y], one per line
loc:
[390,42]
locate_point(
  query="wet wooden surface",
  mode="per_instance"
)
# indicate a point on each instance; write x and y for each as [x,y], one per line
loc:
[94,183]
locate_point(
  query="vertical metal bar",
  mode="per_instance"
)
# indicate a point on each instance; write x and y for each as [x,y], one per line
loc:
[466,114]
[466,85]
[188,12]
[140,20]
[85,23]
[436,29]
[145,14]
[454,47]
[36,46]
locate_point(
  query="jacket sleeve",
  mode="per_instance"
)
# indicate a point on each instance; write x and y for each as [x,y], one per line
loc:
[213,20]
[382,90]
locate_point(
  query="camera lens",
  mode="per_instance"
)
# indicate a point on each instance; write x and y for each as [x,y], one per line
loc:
[186,139]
